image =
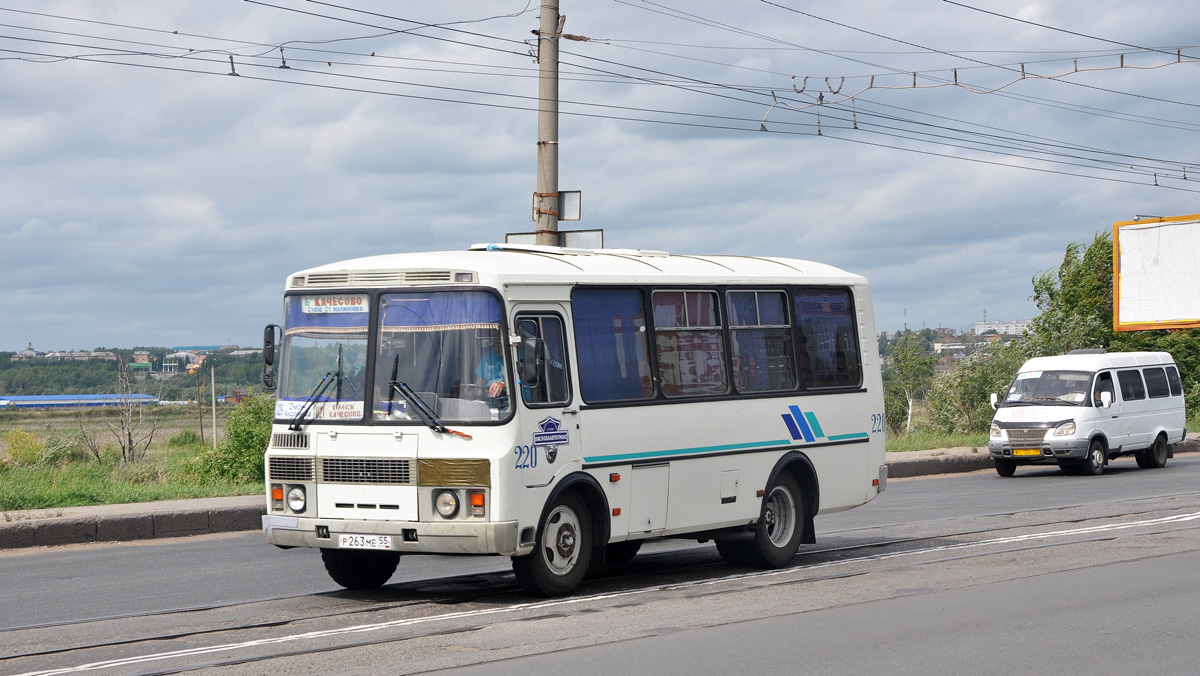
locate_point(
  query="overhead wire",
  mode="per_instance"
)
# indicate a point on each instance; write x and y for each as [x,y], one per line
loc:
[693,82]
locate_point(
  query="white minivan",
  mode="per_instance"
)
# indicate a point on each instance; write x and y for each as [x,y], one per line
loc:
[1084,408]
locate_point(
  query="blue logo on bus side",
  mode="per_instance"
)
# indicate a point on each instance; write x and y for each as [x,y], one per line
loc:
[552,435]
[803,425]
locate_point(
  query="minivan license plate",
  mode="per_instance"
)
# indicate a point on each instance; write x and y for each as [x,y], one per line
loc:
[1027,451]
[364,541]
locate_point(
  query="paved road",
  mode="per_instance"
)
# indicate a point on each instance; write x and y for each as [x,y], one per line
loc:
[1042,573]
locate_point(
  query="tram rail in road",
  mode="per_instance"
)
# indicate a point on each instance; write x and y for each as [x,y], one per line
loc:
[473,619]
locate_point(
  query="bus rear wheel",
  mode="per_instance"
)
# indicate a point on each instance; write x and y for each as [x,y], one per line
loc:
[359,569]
[780,528]
[563,551]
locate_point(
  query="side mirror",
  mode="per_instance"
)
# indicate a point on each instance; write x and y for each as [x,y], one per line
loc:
[269,356]
[533,363]
[1106,399]
[995,401]
[269,344]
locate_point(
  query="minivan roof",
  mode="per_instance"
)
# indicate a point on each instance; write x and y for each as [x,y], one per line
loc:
[1095,362]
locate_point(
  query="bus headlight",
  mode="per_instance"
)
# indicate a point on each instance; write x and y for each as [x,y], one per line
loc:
[295,499]
[1065,430]
[995,431]
[446,503]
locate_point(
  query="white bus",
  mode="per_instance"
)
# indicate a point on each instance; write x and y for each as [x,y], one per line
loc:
[560,406]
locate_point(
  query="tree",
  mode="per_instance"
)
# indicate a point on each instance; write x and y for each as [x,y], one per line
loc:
[238,456]
[910,371]
[131,429]
[1075,301]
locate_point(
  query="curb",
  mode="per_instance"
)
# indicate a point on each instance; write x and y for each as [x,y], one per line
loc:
[132,524]
[180,518]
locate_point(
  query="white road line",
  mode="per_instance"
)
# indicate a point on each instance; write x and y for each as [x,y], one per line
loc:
[365,628]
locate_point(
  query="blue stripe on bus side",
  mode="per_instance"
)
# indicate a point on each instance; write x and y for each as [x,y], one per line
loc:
[765,445]
[802,422]
[843,437]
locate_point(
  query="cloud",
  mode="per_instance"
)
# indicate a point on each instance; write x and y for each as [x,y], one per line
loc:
[154,199]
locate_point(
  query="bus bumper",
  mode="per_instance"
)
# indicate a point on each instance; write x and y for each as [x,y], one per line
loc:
[417,537]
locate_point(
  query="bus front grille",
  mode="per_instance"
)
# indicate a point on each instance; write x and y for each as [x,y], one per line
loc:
[290,469]
[367,471]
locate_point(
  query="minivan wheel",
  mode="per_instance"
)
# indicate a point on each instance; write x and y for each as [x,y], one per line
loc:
[1093,464]
[1005,467]
[1155,456]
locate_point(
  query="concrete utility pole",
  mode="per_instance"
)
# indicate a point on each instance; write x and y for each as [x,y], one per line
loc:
[547,152]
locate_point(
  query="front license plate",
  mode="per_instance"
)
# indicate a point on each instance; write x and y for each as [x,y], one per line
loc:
[1027,451]
[364,541]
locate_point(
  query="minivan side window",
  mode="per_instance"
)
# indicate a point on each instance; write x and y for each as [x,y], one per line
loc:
[1131,385]
[1156,382]
[1173,381]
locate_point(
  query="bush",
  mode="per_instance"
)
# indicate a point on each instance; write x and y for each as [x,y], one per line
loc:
[23,447]
[959,401]
[185,439]
[238,457]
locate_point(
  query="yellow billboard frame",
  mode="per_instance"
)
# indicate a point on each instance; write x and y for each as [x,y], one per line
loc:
[1118,325]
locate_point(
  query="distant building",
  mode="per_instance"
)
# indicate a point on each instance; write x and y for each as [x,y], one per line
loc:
[246,351]
[141,357]
[81,355]
[197,349]
[72,400]
[27,353]
[1015,327]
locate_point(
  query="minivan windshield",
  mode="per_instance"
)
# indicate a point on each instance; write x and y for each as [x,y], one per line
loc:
[1049,388]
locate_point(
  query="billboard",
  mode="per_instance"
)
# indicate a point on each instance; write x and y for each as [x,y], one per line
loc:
[1156,273]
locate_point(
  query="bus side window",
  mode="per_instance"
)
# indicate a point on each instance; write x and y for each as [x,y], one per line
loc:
[611,344]
[828,345]
[554,388]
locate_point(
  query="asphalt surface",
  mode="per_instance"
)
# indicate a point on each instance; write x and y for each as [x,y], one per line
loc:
[178,518]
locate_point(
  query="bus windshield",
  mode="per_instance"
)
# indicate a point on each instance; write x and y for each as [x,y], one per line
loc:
[1049,388]
[324,358]
[447,347]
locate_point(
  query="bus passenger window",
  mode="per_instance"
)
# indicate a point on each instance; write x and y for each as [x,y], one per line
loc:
[691,349]
[554,387]
[761,341]
[828,344]
[611,343]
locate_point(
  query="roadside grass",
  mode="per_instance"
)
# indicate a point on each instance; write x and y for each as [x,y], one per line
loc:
[71,476]
[923,440]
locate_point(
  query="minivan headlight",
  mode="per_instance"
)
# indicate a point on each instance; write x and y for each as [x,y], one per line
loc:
[1065,430]
[995,432]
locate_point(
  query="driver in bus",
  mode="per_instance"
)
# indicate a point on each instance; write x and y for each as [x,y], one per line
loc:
[490,374]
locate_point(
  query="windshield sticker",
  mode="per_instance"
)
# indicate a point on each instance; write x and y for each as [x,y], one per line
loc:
[321,410]
[1029,374]
[334,304]
[1013,396]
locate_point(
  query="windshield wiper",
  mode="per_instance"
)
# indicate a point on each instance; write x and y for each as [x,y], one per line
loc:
[423,412]
[297,422]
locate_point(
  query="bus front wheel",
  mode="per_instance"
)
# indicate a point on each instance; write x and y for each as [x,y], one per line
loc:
[564,550]
[780,528]
[359,569]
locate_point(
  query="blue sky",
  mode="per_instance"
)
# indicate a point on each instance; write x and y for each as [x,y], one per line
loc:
[148,197]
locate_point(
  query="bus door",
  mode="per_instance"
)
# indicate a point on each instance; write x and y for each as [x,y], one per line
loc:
[549,419]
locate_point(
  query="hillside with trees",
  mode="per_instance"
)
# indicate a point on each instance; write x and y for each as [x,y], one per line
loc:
[42,376]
